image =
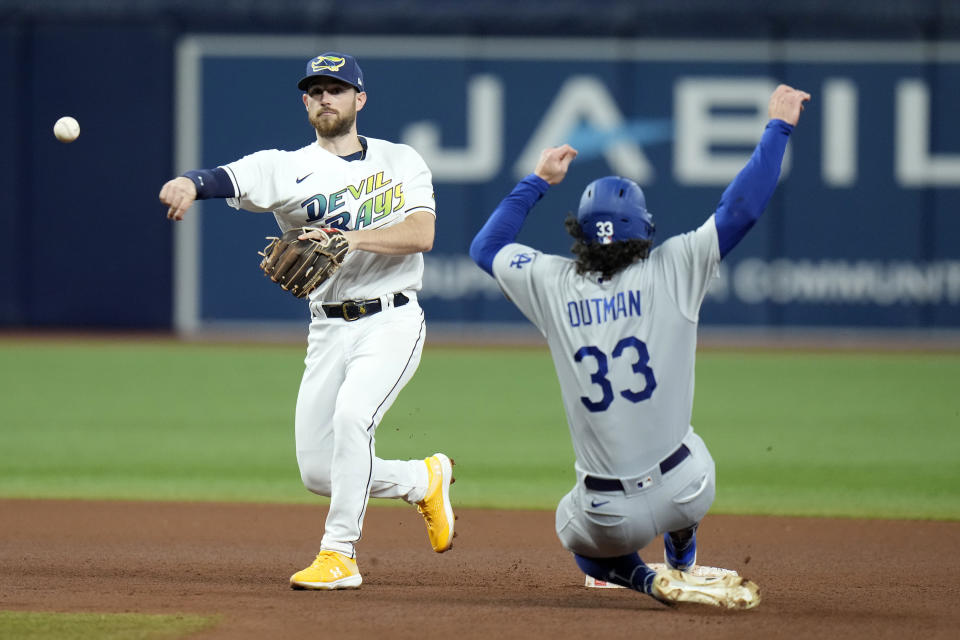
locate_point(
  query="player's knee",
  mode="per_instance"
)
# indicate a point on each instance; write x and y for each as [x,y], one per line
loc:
[315,473]
[315,483]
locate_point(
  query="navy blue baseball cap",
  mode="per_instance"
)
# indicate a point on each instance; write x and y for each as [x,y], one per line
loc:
[333,65]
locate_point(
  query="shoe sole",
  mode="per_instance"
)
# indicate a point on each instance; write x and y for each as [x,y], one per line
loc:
[350,582]
[446,465]
[725,592]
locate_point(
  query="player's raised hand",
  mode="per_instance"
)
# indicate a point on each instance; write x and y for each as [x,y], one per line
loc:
[554,162]
[178,194]
[786,103]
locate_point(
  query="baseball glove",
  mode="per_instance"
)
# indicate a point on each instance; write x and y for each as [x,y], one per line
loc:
[300,266]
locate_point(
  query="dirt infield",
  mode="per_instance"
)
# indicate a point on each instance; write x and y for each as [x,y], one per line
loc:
[507,575]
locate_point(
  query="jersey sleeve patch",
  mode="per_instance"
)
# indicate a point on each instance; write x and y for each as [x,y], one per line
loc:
[522,259]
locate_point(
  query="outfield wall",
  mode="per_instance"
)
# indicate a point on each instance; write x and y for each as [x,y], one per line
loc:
[862,232]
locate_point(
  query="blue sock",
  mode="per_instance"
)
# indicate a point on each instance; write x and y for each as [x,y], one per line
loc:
[681,547]
[627,571]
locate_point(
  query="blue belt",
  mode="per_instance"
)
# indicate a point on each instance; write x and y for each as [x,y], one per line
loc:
[609,484]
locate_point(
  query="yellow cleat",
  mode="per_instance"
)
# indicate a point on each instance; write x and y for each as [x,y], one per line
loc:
[331,570]
[435,506]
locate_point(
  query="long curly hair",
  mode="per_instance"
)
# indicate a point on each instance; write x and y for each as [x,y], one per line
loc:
[605,259]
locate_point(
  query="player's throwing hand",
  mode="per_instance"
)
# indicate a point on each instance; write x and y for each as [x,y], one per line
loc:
[786,103]
[554,162]
[178,194]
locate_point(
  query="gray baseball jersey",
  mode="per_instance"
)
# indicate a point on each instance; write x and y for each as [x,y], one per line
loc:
[624,348]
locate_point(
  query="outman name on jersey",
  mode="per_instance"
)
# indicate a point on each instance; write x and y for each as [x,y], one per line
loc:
[616,306]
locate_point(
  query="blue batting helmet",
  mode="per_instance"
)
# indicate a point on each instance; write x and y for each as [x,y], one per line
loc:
[614,209]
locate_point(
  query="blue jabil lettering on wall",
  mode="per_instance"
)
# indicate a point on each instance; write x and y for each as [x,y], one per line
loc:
[599,310]
[586,113]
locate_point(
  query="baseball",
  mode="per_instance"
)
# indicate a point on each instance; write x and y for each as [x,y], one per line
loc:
[66,129]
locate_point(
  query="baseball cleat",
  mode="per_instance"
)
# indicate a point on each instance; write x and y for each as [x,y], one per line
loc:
[330,570]
[725,592]
[435,507]
[684,556]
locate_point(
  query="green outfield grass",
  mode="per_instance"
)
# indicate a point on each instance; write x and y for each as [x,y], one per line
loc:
[24,625]
[838,434]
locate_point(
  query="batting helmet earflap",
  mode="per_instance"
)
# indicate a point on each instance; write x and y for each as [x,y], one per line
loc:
[614,209]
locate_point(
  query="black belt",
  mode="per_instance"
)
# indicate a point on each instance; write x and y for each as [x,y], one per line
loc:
[355,309]
[607,484]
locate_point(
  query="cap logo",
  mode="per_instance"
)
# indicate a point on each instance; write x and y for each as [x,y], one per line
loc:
[326,63]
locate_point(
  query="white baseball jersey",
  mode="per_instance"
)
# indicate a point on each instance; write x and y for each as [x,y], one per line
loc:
[623,348]
[313,187]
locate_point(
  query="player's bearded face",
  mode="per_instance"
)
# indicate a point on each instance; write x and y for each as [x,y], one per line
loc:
[333,123]
[332,108]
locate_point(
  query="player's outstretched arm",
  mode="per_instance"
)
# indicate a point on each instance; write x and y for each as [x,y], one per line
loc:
[747,196]
[197,184]
[505,222]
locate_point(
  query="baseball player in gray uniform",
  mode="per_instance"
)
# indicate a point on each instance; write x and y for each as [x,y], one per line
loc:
[367,329]
[621,323]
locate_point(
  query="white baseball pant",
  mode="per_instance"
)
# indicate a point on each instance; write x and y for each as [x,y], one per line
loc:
[354,372]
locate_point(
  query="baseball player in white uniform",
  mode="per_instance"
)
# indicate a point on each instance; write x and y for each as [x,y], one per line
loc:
[621,324]
[367,329]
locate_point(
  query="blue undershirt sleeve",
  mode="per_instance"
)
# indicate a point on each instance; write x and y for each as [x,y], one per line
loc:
[211,183]
[747,196]
[505,222]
